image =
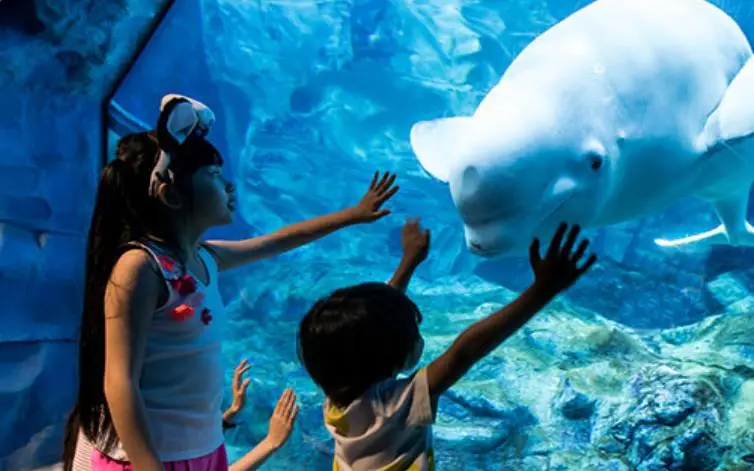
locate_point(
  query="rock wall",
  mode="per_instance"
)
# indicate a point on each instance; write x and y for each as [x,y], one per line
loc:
[57,59]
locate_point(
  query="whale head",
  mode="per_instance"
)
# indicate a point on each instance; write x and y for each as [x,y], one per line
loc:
[511,183]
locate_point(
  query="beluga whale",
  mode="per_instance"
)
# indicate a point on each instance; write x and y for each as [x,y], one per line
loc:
[615,113]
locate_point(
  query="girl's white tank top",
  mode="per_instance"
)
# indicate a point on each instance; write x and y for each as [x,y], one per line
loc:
[182,376]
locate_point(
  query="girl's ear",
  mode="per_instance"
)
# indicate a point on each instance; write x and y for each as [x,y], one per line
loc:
[168,195]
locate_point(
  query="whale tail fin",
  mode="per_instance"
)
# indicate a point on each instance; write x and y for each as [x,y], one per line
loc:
[436,143]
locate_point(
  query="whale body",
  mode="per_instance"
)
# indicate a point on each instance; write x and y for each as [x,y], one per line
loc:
[615,113]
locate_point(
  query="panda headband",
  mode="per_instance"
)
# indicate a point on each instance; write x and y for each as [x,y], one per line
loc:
[180,117]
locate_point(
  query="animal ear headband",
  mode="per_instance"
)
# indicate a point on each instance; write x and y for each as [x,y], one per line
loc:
[180,117]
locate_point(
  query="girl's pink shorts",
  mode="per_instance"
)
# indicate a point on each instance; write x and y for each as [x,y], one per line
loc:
[215,461]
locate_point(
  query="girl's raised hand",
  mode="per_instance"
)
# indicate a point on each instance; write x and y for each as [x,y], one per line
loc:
[369,208]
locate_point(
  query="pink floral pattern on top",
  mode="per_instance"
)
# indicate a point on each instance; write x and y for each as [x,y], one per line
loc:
[167,263]
[186,287]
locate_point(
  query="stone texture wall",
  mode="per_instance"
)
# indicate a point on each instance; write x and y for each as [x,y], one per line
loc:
[58,58]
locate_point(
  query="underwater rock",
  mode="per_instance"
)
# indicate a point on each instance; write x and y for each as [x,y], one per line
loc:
[574,405]
[475,424]
[571,390]
[669,421]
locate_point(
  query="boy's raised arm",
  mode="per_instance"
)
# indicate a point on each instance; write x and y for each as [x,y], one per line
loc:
[553,274]
[415,249]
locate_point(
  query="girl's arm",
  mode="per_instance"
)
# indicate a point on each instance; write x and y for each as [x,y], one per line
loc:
[415,249]
[254,459]
[281,425]
[554,274]
[130,299]
[231,254]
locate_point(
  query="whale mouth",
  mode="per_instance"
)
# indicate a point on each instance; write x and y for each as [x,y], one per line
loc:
[513,247]
[493,250]
[477,249]
[485,253]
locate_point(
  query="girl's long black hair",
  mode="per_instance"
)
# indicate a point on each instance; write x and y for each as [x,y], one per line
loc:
[123,212]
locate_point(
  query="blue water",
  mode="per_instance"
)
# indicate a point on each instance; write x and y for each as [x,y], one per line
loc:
[636,367]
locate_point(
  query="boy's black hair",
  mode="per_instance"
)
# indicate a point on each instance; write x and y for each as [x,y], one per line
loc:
[357,337]
[123,212]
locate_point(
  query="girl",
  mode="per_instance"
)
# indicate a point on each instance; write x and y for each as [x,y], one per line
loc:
[151,376]
[355,342]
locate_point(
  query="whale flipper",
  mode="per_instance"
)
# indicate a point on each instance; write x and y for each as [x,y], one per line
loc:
[724,136]
[436,142]
[733,119]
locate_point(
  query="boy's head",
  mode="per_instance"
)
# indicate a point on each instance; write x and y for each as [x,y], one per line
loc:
[357,337]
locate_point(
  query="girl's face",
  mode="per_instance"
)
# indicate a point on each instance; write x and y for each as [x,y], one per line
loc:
[213,201]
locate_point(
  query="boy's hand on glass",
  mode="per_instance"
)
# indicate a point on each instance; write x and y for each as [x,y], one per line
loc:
[281,422]
[415,242]
[369,208]
[560,267]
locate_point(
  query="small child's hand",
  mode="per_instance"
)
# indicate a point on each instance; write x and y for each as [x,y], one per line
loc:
[415,242]
[368,209]
[283,417]
[239,388]
[559,269]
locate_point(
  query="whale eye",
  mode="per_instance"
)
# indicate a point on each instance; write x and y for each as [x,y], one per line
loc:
[595,161]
